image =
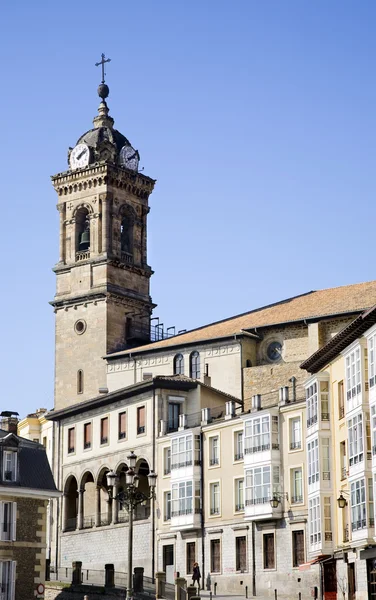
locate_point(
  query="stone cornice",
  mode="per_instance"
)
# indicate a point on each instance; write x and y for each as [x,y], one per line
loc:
[103,295]
[146,271]
[99,174]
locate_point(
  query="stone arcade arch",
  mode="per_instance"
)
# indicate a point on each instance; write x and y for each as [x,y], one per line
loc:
[86,501]
[70,504]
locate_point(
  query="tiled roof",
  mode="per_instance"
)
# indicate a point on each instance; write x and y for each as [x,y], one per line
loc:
[340,342]
[349,299]
[34,469]
[172,382]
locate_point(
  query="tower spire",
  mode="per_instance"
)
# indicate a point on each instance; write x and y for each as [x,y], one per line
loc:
[103,119]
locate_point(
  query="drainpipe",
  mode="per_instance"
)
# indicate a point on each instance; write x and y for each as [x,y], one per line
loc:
[202,509]
[59,500]
[253,559]
[153,501]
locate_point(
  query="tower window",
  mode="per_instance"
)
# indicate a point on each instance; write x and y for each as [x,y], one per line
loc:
[80,381]
[126,235]
[179,364]
[194,365]
[82,230]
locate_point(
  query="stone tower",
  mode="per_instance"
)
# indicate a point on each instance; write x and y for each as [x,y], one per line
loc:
[102,300]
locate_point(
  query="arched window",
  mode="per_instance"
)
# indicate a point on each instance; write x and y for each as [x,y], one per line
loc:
[179,364]
[194,365]
[82,230]
[80,381]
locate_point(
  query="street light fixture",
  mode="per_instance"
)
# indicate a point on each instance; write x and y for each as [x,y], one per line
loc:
[276,498]
[131,497]
[341,500]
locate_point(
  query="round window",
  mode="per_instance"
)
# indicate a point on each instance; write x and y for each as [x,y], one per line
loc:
[274,351]
[80,326]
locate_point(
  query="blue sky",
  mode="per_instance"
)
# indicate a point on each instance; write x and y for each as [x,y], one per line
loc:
[256,118]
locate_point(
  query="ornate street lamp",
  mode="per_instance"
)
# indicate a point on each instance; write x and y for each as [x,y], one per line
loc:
[341,500]
[276,498]
[131,497]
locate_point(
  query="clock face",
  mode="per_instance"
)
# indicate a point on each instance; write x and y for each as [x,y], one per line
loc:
[274,351]
[79,156]
[129,157]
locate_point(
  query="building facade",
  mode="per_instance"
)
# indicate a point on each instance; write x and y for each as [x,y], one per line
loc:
[26,485]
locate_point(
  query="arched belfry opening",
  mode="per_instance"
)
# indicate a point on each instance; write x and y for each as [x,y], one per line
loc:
[127,223]
[82,230]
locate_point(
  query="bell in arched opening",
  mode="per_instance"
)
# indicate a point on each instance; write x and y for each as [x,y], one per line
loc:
[84,242]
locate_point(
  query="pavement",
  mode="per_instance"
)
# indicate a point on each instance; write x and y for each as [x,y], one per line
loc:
[205,594]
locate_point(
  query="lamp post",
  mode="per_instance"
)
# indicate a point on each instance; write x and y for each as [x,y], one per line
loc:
[131,497]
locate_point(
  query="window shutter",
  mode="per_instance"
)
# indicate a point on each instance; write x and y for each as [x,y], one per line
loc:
[1,522]
[14,521]
[12,580]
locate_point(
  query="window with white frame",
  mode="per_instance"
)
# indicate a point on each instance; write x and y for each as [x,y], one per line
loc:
[214,450]
[7,579]
[261,433]
[259,486]
[9,465]
[324,400]
[328,535]
[167,506]
[325,451]
[215,498]
[182,498]
[373,425]
[181,451]
[296,485]
[314,521]
[313,461]
[239,452]
[312,404]
[355,433]
[239,495]
[167,461]
[8,515]
[295,433]
[371,360]
[358,505]
[353,374]
[371,513]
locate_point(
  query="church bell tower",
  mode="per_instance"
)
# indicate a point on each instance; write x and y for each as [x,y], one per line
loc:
[102,302]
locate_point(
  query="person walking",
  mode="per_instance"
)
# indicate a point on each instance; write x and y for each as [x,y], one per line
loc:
[196,575]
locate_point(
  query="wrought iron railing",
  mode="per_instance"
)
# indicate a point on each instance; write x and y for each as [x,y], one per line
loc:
[295,445]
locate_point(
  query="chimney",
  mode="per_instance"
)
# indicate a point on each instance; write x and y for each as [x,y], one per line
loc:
[256,402]
[9,421]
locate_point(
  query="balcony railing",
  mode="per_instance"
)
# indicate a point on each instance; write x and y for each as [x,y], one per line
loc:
[185,463]
[87,445]
[239,507]
[371,522]
[186,511]
[214,510]
[167,470]
[369,455]
[262,448]
[343,473]
[361,524]
[239,456]
[295,445]
[83,255]
[328,536]
[311,421]
[341,412]
[253,501]
[71,524]
[296,499]
[127,258]
[214,461]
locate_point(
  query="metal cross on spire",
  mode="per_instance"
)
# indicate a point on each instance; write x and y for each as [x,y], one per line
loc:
[102,62]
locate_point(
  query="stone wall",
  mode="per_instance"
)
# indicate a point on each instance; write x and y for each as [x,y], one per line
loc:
[29,549]
[97,547]
[267,379]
